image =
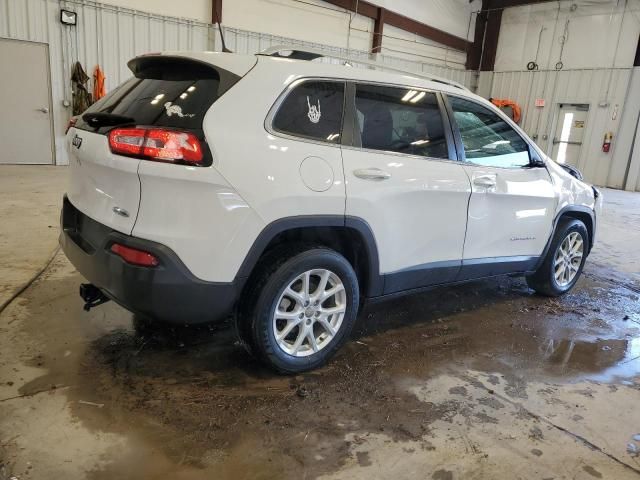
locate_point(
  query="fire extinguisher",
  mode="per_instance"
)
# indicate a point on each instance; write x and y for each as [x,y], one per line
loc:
[606,145]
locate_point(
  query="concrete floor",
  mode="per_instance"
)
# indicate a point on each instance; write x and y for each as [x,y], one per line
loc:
[484,380]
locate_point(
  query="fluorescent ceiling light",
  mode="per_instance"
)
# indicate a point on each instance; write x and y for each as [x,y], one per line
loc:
[408,95]
[418,97]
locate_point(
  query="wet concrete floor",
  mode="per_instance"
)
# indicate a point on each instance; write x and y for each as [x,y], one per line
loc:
[485,380]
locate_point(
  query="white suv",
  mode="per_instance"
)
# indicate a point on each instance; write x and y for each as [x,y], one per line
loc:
[284,191]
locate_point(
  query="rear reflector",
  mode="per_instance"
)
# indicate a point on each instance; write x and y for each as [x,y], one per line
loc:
[157,144]
[134,256]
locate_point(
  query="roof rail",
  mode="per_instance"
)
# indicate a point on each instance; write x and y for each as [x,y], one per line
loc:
[295,53]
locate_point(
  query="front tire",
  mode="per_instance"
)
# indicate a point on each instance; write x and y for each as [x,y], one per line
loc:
[565,259]
[302,309]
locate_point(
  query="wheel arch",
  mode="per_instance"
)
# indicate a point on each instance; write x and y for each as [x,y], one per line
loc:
[578,212]
[584,214]
[352,237]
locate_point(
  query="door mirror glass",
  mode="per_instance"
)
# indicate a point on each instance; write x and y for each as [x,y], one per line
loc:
[487,139]
[400,120]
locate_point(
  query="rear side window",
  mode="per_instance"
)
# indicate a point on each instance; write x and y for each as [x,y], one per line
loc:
[167,92]
[488,140]
[400,120]
[312,110]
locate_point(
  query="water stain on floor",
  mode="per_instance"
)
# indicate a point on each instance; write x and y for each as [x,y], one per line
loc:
[190,401]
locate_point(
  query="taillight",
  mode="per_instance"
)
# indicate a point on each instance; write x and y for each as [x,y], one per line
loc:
[72,123]
[135,256]
[156,144]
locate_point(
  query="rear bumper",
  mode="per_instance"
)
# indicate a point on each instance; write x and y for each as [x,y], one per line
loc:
[168,292]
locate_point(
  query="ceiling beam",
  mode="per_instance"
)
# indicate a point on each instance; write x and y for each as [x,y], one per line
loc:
[402,22]
[491,35]
[426,31]
[216,11]
[378,28]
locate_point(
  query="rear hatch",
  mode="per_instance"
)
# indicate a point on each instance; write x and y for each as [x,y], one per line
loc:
[168,96]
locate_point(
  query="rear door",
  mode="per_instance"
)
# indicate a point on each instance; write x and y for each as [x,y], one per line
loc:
[512,202]
[167,92]
[403,179]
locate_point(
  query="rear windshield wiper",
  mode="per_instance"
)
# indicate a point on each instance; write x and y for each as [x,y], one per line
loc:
[101,119]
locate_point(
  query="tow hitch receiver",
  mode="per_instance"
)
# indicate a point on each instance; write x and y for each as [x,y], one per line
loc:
[92,296]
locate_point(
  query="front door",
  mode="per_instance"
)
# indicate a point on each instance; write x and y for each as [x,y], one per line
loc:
[512,203]
[25,119]
[570,127]
[400,179]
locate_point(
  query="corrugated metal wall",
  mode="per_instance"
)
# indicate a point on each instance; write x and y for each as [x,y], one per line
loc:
[604,90]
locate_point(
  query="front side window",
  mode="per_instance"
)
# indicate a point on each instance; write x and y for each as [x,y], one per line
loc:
[488,140]
[312,110]
[400,120]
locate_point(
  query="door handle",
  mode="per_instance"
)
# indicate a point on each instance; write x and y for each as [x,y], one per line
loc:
[372,174]
[43,110]
[486,181]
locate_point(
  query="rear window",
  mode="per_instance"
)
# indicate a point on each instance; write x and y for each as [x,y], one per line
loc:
[166,92]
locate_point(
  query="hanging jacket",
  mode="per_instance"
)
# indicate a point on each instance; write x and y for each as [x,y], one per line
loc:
[501,103]
[99,90]
[81,95]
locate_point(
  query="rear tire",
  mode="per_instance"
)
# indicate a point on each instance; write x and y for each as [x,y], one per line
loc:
[565,259]
[300,309]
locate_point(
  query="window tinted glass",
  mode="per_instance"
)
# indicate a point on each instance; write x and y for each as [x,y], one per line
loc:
[167,92]
[488,140]
[180,104]
[400,120]
[312,110]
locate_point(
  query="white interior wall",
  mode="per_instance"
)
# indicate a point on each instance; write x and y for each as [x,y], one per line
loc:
[199,10]
[601,34]
[313,21]
[451,16]
[402,44]
[319,22]
[308,21]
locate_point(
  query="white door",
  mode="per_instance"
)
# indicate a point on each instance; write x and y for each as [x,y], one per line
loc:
[25,117]
[570,127]
[403,184]
[512,203]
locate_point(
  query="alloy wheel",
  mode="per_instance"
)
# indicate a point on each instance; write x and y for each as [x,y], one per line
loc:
[568,258]
[309,312]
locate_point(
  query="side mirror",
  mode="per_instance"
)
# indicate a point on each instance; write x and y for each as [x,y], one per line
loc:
[534,159]
[537,163]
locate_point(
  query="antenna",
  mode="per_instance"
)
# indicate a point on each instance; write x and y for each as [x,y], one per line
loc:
[220,29]
[351,17]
